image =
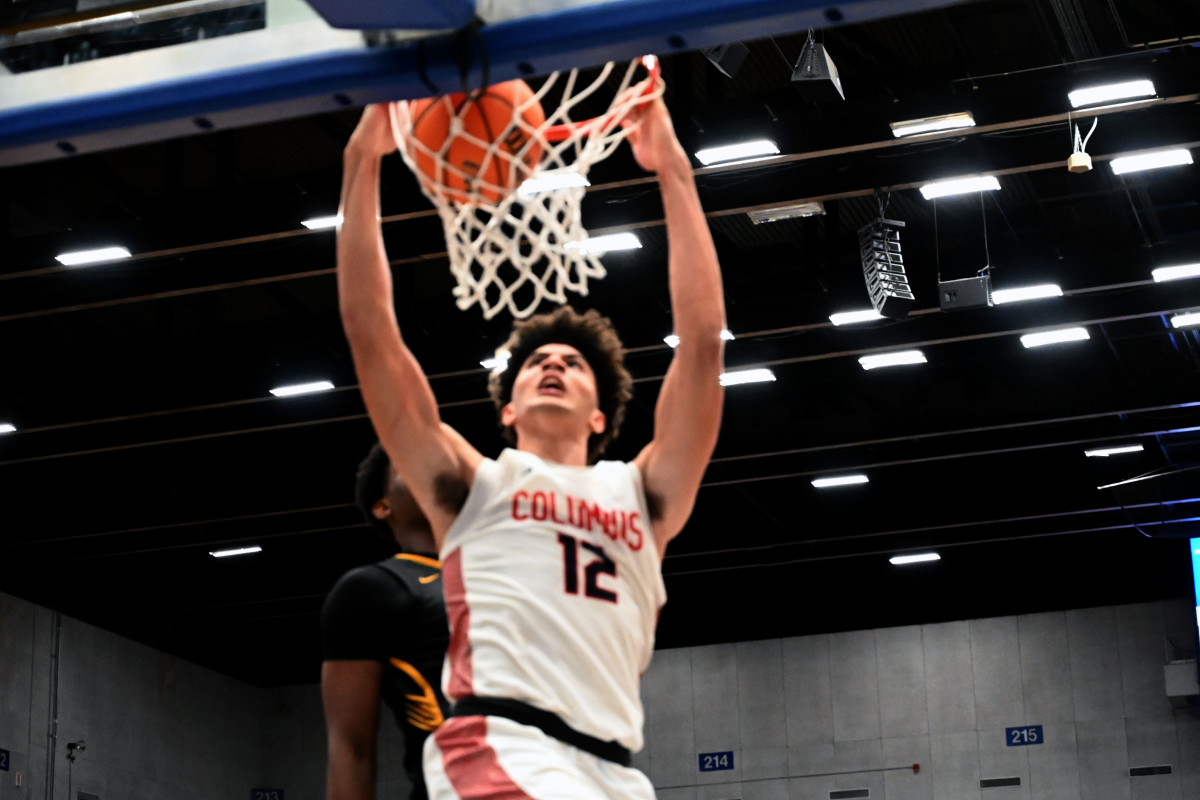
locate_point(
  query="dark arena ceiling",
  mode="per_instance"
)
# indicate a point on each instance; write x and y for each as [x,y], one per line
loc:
[146,435]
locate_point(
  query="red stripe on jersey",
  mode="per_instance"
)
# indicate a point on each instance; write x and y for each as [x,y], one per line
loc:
[471,764]
[459,617]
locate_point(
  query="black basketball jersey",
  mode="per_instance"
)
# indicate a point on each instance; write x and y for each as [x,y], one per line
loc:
[393,612]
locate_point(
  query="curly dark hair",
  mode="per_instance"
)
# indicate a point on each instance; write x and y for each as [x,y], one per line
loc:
[596,340]
[371,485]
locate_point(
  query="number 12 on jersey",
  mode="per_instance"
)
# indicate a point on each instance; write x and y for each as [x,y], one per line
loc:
[597,567]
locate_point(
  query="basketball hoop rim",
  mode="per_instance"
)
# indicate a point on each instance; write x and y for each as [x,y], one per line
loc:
[564,131]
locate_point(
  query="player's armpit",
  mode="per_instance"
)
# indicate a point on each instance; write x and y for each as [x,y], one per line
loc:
[350,694]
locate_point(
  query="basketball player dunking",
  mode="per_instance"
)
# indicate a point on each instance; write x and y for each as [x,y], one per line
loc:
[551,566]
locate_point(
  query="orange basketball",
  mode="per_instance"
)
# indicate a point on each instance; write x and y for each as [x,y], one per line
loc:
[485,118]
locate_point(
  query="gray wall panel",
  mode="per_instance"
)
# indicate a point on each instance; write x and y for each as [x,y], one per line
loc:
[905,784]
[1140,631]
[811,759]
[807,690]
[998,760]
[760,695]
[900,656]
[949,685]
[858,757]
[670,727]
[767,762]
[766,790]
[855,686]
[810,788]
[1095,664]
[715,706]
[996,672]
[1103,764]
[1152,741]
[1054,765]
[1045,669]
[954,764]
[1189,751]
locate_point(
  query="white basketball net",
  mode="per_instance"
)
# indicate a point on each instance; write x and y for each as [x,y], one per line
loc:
[515,245]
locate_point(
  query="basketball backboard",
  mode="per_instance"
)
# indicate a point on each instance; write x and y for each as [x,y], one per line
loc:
[303,65]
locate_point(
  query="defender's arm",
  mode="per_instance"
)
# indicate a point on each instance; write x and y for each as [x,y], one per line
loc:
[350,694]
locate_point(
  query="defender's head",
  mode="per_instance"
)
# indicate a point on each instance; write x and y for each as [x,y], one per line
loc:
[388,505]
[568,361]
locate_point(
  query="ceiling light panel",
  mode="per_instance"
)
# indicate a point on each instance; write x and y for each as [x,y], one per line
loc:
[552,182]
[7,427]
[96,256]
[599,245]
[746,376]
[237,551]
[322,223]
[302,388]
[1188,320]
[946,122]
[757,148]
[839,480]
[915,558]
[1104,452]
[953,186]
[895,359]
[1177,272]
[1022,293]
[1155,160]
[854,317]
[1042,338]
[1093,95]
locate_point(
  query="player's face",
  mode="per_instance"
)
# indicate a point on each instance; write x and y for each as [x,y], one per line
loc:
[556,376]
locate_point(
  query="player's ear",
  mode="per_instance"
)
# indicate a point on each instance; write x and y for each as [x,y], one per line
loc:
[597,422]
[382,509]
[508,416]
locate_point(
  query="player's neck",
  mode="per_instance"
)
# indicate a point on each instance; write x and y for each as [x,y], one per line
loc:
[555,448]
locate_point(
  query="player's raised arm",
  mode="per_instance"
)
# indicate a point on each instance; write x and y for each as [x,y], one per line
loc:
[397,394]
[688,415]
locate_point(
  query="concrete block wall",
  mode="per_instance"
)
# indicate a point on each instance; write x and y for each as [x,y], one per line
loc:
[803,716]
[812,715]
[155,726]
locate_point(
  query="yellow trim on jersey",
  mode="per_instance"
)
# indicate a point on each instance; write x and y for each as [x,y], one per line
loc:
[429,578]
[423,711]
[429,562]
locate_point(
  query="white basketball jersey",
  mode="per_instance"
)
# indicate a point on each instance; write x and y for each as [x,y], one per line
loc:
[553,588]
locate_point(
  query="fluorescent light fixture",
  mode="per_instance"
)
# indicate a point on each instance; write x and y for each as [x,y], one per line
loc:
[1144,161]
[673,341]
[777,213]
[1110,92]
[915,558]
[851,317]
[552,182]
[946,122]
[1186,320]
[92,256]
[839,480]
[892,359]
[599,245]
[978,183]
[302,388]
[1054,337]
[1026,293]
[7,427]
[1105,452]
[321,223]
[1175,273]
[758,148]
[498,363]
[237,551]
[746,376]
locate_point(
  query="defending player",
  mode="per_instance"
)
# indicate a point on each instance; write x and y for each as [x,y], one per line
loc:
[384,635]
[552,567]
